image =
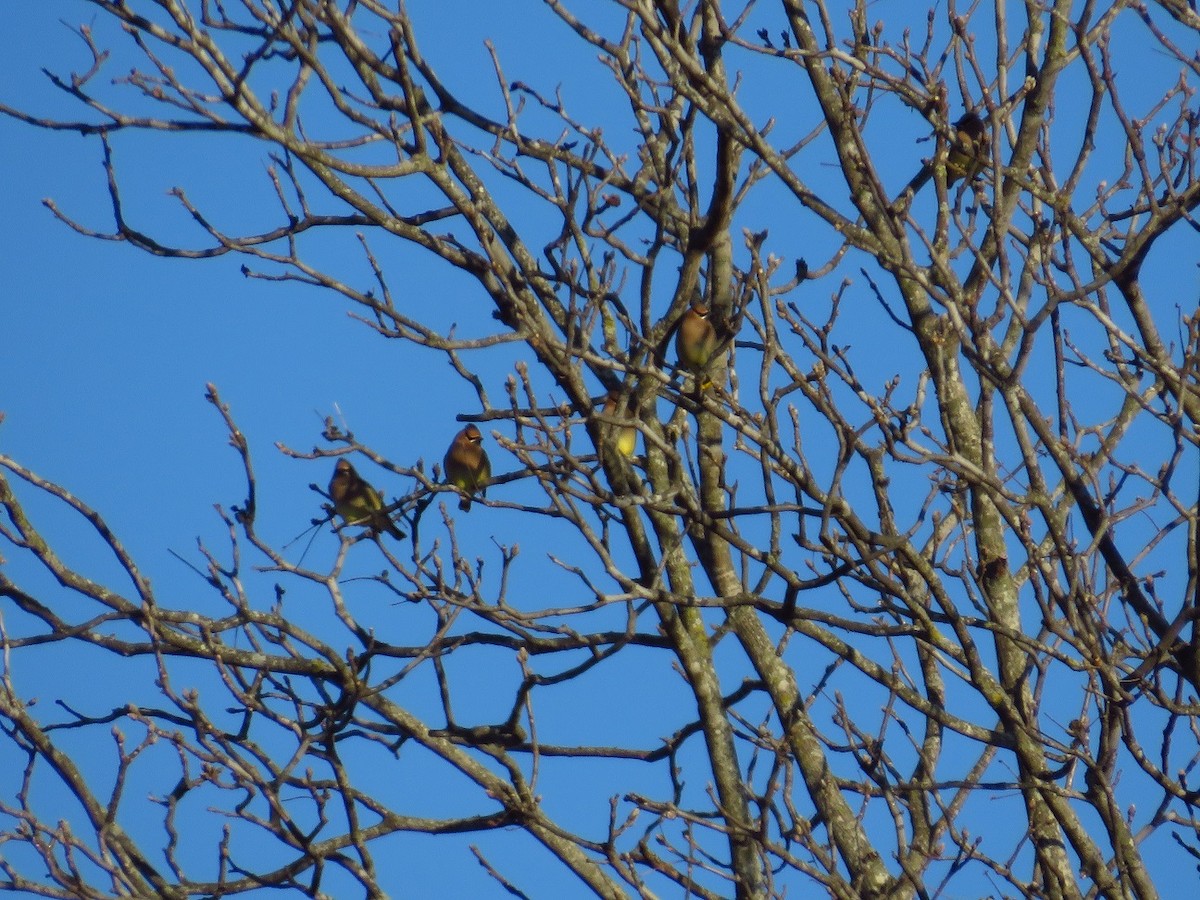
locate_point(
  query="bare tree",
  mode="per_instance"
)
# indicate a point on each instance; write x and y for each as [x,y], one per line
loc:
[916,623]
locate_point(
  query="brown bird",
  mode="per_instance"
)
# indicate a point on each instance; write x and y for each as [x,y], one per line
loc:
[623,437]
[968,148]
[965,157]
[358,503]
[467,466]
[695,339]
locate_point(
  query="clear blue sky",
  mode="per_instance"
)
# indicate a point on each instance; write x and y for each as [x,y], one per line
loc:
[106,351]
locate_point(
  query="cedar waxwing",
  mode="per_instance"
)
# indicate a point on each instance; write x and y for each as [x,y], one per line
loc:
[467,465]
[358,503]
[968,148]
[695,339]
[966,155]
[623,437]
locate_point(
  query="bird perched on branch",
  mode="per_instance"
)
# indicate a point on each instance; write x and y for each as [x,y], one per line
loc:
[968,148]
[623,437]
[965,157]
[467,466]
[696,339]
[358,503]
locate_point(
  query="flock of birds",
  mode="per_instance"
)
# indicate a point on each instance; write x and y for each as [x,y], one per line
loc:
[697,344]
[466,464]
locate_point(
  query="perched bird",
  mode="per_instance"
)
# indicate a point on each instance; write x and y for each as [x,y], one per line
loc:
[623,437]
[696,339]
[968,148]
[966,155]
[467,465]
[358,503]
